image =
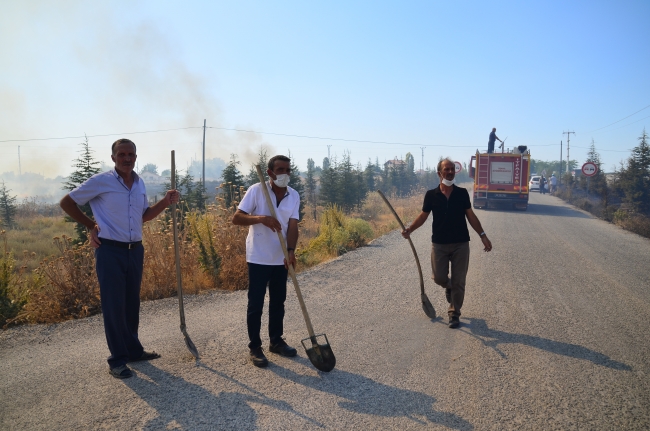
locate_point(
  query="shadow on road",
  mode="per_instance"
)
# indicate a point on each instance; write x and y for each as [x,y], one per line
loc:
[365,396]
[492,338]
[184,405]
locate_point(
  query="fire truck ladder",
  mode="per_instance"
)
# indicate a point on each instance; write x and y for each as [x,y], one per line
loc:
[482,178]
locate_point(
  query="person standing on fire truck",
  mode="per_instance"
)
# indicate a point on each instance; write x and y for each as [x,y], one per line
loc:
[493,137]
[450,205]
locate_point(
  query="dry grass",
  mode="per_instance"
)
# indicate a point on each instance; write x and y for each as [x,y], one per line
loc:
[636,223]
[32,238]
[212,253]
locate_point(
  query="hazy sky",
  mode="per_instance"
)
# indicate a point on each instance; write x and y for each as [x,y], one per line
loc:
[403,75]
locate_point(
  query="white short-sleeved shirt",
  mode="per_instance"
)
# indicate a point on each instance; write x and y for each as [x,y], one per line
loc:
[262,244]
[117,209]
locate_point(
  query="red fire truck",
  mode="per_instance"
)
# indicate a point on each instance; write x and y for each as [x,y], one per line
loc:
[501,179]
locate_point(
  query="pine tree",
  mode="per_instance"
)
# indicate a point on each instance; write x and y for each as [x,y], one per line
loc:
[369,176]
[295,182]
[232,179]
[310,183]
[263,161]
[361,186]
[85,167]
[598,182]
[329,185]
[7,208]
[347,179]
[635,177]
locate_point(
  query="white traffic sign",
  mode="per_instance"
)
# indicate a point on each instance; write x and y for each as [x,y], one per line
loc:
[589,169]
[458,167]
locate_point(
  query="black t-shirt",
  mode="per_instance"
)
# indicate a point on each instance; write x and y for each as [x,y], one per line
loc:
[449,225]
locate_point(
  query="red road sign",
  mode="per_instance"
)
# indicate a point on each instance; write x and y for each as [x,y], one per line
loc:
[589,169]
[458,167]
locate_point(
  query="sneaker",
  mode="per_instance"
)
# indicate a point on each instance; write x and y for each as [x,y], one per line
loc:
[258,358]
[283,349]
[121,372]
[454,322]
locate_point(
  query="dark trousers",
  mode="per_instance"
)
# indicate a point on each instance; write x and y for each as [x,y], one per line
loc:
[457,254]
[490,147]
[258,278]
[119,271]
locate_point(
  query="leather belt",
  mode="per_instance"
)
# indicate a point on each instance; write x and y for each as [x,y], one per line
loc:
[128,245]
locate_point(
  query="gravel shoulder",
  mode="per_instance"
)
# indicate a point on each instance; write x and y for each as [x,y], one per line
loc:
[553,336]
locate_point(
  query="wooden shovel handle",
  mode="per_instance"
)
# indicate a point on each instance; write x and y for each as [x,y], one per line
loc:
[292,272]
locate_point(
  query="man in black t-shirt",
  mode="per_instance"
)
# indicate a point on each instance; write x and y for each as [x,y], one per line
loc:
[450,206]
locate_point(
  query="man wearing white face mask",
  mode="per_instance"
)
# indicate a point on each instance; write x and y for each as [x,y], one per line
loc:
[450,205]
[266,262]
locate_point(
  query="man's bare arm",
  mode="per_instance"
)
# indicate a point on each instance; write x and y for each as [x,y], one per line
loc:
[244,219]
[72,209]
[476,225]
[419,221]
[292,241]
[171,197]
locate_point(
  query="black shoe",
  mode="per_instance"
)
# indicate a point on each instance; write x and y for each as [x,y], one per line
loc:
[146,356]
[454,322]
[283,349]
[258,358]
[121,372]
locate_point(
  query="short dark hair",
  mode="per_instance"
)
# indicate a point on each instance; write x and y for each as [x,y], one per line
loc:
[120,142]
[445,160]
[278,157]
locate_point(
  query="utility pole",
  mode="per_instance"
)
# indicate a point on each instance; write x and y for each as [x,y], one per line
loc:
[560,173]
[203,177]
[568,139]
[422,161]
[19,169]
[328,153]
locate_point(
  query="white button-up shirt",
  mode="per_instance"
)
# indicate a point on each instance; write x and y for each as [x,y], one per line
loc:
[117,209]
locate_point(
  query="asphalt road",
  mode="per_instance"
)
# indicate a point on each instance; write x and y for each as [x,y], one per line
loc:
[554,335]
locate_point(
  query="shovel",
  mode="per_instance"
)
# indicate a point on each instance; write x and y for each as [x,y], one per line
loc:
[188,341]
[426,304]
[320,355]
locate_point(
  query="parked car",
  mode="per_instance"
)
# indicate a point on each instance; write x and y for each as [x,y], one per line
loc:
[533,184]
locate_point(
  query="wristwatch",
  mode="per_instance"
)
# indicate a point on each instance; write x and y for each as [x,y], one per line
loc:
[482,234]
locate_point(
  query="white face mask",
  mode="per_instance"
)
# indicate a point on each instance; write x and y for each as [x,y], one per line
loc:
[281,180]
[448,183]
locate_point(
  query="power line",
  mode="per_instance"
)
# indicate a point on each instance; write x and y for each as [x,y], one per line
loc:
[98,136]
[629,124]
[621,119]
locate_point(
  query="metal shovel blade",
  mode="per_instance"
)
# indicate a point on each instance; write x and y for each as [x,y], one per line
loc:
[427,306]
[190,345]
[321,355]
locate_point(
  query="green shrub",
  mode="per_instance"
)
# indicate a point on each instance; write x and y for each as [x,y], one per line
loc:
[337,234]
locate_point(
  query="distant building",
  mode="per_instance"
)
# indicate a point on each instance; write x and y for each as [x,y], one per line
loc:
[151,178]
[395,163]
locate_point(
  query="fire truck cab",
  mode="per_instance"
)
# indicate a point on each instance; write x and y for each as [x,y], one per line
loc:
[501,179]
